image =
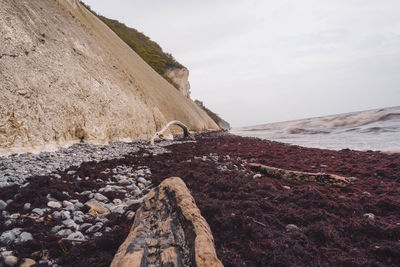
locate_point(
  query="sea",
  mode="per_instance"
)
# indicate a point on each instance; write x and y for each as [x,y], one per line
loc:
[377,129]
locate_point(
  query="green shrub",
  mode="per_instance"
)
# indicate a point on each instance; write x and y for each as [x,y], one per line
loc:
[212,115]
[147,49]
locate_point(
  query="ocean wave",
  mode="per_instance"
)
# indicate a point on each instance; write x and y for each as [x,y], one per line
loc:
[305,131]
[372,129]
[341,121]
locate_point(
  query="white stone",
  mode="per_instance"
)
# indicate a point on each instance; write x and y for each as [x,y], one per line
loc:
[64,232]
[67,203]
[292,227]
[257,176]
[369,216]
[27,206]
[11,260]
[24,237]
[100,197]
[54,204]
[7,237]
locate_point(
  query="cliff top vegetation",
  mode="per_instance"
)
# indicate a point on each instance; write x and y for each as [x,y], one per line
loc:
[148,50]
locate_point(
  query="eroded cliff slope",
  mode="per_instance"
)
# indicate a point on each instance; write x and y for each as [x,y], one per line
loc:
[65,76]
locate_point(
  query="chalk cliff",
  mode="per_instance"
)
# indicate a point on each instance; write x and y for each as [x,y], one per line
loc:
[180,77]
[65,77]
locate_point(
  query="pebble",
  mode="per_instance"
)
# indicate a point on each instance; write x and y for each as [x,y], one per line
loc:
[323,166]
[143,181]
[67,203]
[70,224]
[11,260]
[70,208]
[100,197]
[96,207]
[24,237]
[286,187]
[15,216]
[38,211]
[256,176]
[79,218]
[119,209]
[64,232]
[79,205]
[130,215]
[3,205]
[65,214]
[50,198]
[366,193]
[8,223]
[56,228]
[94,228]
[117,201]
[6,253]
[351,179]
[27,206]
[98,234]
[292,227]
[8,237]
[140,172]
[85,226]
[27,263]
[54,204]
[76,235]
[45,263]
[369,216]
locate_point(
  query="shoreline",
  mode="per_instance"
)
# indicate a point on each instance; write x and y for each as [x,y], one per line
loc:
[248,216]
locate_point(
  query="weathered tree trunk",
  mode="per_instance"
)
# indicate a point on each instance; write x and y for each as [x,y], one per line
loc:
[168,230]
[300,177]
[185,129]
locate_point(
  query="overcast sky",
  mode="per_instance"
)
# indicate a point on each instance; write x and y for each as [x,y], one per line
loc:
[260,61]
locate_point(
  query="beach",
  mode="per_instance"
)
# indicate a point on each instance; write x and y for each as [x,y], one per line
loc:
[256,220]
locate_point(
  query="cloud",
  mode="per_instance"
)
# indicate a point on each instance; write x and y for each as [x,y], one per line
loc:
[261,61]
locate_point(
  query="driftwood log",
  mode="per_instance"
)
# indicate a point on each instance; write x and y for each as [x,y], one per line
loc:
[185,129]
[300,177]
[168,230]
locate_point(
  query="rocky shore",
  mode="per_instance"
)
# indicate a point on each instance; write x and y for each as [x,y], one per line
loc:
[75,206]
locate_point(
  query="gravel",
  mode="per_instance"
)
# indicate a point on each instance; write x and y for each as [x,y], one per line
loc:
[62,209]
[16,168]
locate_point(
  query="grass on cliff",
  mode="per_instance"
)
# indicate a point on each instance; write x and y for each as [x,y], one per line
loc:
[212,115]
[147,49]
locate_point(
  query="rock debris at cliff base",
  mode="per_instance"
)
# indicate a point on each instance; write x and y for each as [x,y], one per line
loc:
[256,220]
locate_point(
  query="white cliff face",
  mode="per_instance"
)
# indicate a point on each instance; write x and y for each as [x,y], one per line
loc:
[66,77]
[180,77]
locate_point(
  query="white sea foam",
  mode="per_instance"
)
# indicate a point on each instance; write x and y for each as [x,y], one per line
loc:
[377,129]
